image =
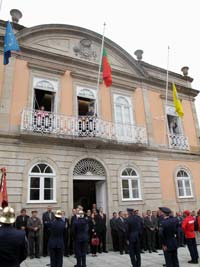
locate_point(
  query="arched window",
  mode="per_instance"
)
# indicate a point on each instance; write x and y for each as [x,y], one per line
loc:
[42,184]
[184,187]
[123,110]
[130,183]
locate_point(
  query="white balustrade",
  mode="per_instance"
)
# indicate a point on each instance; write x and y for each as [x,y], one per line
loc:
[178,141]
[83,126]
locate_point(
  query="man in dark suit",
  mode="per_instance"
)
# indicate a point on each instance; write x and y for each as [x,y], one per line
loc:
[121,227]
[168,231]
[47,217]
[101,229]
[114,234]
[21,221]
[13,242]
[56,242]
[151,224]
[135,227]
[66,234]
[80,232]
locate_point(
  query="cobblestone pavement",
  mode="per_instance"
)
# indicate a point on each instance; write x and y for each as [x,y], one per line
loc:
[114,259]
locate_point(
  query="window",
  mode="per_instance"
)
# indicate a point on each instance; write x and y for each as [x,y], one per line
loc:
[174,123]
[44,94]
[123,116]
[184,188]
[41,184]
[86,99]
[130,182]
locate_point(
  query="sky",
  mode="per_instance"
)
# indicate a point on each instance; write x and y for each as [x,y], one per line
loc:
[150,25]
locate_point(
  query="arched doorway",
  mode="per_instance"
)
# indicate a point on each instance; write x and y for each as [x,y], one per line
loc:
[89,184]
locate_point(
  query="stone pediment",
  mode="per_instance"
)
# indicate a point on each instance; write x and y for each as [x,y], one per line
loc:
[78,45]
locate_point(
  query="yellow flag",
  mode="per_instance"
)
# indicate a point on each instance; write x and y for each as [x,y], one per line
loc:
[177,102]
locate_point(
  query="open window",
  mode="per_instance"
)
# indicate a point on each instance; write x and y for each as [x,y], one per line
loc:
[173,121]
[44,96]
[86,102]
[45,99]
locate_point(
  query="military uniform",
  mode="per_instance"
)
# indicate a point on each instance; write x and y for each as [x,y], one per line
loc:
[134,231]
[13,242]
[56,242]
[168,231]
[80,233]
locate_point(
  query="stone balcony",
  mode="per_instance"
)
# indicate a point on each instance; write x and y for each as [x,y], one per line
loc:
[35,121]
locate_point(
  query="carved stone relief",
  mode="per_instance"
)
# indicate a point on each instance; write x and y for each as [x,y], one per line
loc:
[85,50]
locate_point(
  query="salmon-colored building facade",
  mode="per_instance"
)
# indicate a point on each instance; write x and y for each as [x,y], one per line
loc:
[65,141]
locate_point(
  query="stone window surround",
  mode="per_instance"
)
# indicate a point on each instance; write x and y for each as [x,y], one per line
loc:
[190,178]
[138,178]
[37,76]
[41,189]
[115,92]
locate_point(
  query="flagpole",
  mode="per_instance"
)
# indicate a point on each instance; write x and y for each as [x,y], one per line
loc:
[166,95]
[99,71]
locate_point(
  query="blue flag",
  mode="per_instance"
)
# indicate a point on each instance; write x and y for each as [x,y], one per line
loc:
[10,43]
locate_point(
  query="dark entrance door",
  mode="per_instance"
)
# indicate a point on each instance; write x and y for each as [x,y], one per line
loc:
[84,193]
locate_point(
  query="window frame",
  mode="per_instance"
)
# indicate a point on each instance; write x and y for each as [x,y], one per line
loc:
[128,99]
[172,112]
[183,180]
[130,188]
[41,177]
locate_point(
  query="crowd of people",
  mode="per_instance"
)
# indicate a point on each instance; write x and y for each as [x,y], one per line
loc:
[85,232]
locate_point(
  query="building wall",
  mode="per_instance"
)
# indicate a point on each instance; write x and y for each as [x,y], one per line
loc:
[2,68]
[189,123]
[168,168]
[18,160]
[19,97]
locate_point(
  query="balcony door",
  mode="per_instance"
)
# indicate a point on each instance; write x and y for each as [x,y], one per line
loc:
[123,116]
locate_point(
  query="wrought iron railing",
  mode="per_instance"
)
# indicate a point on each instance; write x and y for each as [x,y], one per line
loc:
[178,141]
[82,126]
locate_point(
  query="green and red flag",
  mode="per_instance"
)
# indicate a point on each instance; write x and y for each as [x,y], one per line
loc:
[106,69]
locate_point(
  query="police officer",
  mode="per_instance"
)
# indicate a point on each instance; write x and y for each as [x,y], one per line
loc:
[168,231]
[80,231]
[134,231]
[56,242]
[13,242]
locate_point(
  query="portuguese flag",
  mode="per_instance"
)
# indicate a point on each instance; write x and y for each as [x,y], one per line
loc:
[106,69]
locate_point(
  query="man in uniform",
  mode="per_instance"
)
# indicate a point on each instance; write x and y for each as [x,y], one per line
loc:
[80,231]
[56,241]
[134,231]
[168,231]
[13,242]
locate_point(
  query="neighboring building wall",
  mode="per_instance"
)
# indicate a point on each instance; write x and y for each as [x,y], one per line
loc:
[168,170]
[189,124]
